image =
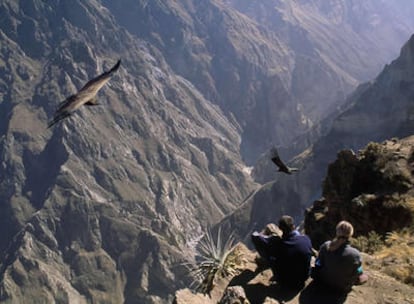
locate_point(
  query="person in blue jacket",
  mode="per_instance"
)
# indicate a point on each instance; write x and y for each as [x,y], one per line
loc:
[289,255]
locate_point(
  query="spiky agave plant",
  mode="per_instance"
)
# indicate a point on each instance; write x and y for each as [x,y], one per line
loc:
[214,258]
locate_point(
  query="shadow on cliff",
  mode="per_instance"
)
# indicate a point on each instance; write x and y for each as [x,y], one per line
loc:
[42,169]
[256,293]
[315,293]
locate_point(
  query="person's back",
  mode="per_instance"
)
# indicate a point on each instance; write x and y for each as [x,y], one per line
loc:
[292,260]
[288,256]
[339,264]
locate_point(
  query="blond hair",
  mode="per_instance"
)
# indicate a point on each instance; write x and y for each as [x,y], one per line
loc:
[344,229]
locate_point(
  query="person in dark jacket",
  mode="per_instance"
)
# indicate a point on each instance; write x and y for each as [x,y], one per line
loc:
[339,265]
[288,255]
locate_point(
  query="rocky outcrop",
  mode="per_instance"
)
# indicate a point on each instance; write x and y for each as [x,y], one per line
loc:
[373,190]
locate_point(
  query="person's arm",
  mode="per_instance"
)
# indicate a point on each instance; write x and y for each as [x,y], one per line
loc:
[260,237]
[357,263]
[319,263]
[358,277]
[320,260]
[264,244]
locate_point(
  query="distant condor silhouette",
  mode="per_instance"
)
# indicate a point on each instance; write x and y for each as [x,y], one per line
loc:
[274,155]
[86,96]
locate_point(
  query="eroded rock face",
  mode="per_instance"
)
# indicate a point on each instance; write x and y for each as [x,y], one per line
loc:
[241,67]
[101,207]
[293,69]
[234,295]
[373,190]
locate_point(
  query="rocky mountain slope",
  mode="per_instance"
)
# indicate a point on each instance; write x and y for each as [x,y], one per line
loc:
[105,206]
[100,208]
[290,74]
[243,68]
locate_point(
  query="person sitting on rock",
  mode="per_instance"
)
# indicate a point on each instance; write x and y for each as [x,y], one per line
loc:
[288,255]
[338,265]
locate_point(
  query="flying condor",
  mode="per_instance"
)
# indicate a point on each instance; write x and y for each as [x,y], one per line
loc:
[274,155]
[86,96]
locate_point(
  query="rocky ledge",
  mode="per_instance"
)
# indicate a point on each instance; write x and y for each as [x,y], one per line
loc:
[252,285]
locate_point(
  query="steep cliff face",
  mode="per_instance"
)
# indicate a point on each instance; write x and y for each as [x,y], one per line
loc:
[242,67]
[100,208]
[287,62]
[384,109]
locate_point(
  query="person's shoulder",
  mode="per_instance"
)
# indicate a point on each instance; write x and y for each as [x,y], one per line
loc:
[325,245]
[303,237]
[275,239]
[352,250]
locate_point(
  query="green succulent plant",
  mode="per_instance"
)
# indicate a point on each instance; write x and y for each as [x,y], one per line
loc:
[215,258]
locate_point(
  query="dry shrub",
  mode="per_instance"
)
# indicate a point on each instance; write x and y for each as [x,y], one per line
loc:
[371,243]
[398,256]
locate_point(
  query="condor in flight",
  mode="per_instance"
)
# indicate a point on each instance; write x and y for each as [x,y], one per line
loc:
[86,96]
[274,155]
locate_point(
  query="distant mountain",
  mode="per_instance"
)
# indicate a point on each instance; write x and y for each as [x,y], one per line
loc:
[277,67]
[106,206]
[376,111]
[335,44]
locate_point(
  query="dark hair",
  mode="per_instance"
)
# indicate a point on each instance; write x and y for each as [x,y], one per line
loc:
[286,224]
